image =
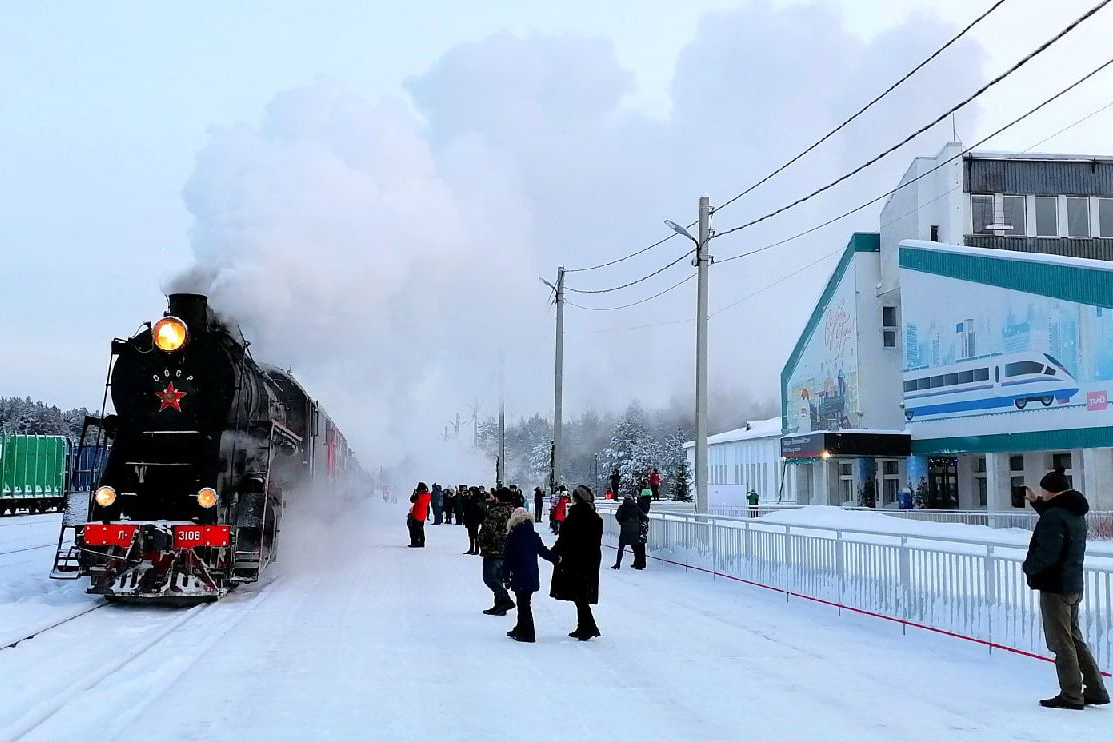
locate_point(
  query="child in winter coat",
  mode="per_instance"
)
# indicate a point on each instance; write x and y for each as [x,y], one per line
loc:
[519,565]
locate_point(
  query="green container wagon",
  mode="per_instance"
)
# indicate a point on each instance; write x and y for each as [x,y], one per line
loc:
[32,472]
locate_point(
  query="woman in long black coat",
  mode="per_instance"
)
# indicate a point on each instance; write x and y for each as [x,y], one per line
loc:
[578,548]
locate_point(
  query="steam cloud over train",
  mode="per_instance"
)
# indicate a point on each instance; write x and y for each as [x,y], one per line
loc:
[207,447]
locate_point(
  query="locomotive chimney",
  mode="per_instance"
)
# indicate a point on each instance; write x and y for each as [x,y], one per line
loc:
[193,309]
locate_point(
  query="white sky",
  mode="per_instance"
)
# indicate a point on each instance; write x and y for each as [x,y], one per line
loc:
[104,109]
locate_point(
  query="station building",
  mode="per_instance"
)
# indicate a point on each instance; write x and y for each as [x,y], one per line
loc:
[967,347]
[744,459]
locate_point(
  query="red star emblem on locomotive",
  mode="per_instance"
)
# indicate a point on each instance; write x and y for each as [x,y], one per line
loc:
[170,397]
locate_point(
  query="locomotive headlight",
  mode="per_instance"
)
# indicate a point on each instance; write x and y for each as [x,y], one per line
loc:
[206,497]
[105,496]
[169,333]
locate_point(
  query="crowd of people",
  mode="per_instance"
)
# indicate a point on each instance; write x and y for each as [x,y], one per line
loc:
[501,531]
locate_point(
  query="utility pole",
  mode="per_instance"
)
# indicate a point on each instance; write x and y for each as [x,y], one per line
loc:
[475,424]
[558,378]
[501,469]
[457,424]
[703,261]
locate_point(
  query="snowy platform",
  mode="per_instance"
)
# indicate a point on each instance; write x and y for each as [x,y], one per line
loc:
[381,642]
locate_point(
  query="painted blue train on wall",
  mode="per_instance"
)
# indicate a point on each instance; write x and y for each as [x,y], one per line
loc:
[993,383]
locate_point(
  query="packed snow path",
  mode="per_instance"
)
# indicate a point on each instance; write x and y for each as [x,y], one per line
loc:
[359,637]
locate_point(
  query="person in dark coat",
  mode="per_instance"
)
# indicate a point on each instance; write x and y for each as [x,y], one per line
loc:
[461,500]
[474,512]
[538,503]
[578,549]
[519,565]
[1054,568]
[643,532]
[629,527]
[436,499]
[616,481]
[492,542]
[449,504]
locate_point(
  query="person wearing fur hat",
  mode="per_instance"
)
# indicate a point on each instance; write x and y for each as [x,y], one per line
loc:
[1054,568]
[492,543]
[578,550]
[519,565]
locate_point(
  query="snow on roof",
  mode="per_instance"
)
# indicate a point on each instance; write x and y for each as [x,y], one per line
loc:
[1027,257]
[1038,156]
[770,428]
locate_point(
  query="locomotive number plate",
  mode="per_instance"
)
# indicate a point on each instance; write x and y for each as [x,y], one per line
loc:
[187,537]
[98,534]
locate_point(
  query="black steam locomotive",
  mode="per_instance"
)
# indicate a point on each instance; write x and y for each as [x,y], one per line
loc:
[205,449]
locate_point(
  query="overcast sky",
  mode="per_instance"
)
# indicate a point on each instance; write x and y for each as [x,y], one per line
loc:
[373,194]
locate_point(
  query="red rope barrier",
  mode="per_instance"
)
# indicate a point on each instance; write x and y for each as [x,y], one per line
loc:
[861,611]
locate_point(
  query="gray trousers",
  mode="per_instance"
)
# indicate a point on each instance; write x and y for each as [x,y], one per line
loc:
[1073,662]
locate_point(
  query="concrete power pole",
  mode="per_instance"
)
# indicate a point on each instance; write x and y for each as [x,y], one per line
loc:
[558,379]
[501,469]
[703,261]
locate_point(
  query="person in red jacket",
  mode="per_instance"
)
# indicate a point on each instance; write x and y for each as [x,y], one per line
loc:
[419,513]
[655,484]
[560,512]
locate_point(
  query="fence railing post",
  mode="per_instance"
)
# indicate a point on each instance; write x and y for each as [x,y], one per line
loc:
[905,583]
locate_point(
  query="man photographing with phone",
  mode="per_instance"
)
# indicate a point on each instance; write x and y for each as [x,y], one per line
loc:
[1054,568]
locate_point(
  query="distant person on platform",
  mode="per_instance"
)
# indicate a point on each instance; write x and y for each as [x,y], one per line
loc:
[538,503]
[616,481]
[560,510]
[517,497]
[461,500]
[492,542]
[643,532]
[519,565]
[578,549]
[655,484]
[436,499]
[473,518]
[1054,567]
[449,504]
[628,527]
[752,499]
[419,513]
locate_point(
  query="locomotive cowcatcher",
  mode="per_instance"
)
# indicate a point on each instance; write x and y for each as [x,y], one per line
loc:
[206,447]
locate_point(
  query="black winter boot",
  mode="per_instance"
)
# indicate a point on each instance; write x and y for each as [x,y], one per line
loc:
[1058,702]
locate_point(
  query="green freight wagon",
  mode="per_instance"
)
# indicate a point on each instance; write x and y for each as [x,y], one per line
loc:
[32,472]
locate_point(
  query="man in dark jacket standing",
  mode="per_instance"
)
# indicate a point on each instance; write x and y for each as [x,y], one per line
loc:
[538,503]
[629,527]
[616,481]
[519,565]
[492,542]
[1054,567]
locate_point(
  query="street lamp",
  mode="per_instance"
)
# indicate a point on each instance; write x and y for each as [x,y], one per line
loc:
[680,230]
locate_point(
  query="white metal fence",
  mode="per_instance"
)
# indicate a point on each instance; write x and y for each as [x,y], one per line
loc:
[973,588]
[1098,523]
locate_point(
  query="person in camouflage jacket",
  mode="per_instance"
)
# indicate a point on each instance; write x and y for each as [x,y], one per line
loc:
[492,542]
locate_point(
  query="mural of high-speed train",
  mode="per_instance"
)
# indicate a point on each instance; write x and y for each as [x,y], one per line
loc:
[988,383]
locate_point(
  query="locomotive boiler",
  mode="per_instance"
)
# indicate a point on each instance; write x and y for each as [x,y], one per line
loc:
[208,446]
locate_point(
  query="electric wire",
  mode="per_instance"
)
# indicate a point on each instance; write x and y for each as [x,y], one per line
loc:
[676,285]
[863,109]
[999,78]
[624,257]
[1067,128]
[636,281]
[926,173]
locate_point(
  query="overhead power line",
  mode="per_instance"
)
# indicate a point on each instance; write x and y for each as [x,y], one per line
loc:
[924,174]
[676,285]
[628,284]
[953,109]
[864,108]
[1068,127]
[609,263]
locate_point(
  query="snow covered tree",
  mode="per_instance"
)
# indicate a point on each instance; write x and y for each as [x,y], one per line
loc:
[629,449]
[675,472]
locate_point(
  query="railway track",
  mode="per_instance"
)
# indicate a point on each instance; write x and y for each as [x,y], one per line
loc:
[105,687]
[12,643]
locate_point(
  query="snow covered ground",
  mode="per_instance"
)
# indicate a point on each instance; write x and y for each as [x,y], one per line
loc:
[358,637]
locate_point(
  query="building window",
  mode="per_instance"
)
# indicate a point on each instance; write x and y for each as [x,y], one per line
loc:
[1078,217]
[890,482]
[1047,216]
[1016,463]
[981,213]
[1105,217]
[934,232]
[1014,214]
[980,483]
[846,482]
[1064,460]
[889,327]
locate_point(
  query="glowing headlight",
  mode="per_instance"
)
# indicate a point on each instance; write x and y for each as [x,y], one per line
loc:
[206,497]
[169,333]
[105,496]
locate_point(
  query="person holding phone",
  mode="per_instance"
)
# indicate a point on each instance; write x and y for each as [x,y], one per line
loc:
[1054,568]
